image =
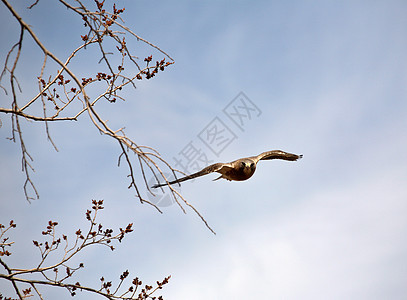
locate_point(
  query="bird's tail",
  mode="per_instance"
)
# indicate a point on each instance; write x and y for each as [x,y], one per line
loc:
[221,176]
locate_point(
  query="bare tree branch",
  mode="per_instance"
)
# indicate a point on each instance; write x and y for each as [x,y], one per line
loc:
[63,96]
[58,274]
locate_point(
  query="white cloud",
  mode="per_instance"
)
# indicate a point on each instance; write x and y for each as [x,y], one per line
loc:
[337,243]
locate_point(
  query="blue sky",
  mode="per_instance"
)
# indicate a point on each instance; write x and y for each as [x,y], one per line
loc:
[330,80]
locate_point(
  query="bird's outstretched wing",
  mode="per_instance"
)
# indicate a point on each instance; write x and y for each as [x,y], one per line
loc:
[278,154]
[209,169]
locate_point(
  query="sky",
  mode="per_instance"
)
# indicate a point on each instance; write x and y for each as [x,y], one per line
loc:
[326,79]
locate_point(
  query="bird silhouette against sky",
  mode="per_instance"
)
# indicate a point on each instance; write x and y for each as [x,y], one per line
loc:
[238,170]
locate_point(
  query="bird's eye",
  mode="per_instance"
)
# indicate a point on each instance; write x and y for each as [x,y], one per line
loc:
[252,165]
[243,164]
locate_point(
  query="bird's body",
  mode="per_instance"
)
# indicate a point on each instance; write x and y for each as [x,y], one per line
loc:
[238,170]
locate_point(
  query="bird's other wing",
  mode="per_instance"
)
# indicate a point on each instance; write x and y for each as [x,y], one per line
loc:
[209,169]
[278,154]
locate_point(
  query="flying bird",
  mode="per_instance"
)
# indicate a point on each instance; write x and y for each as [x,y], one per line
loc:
[238,170]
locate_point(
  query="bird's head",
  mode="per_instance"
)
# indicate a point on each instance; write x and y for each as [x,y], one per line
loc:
[248,164]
